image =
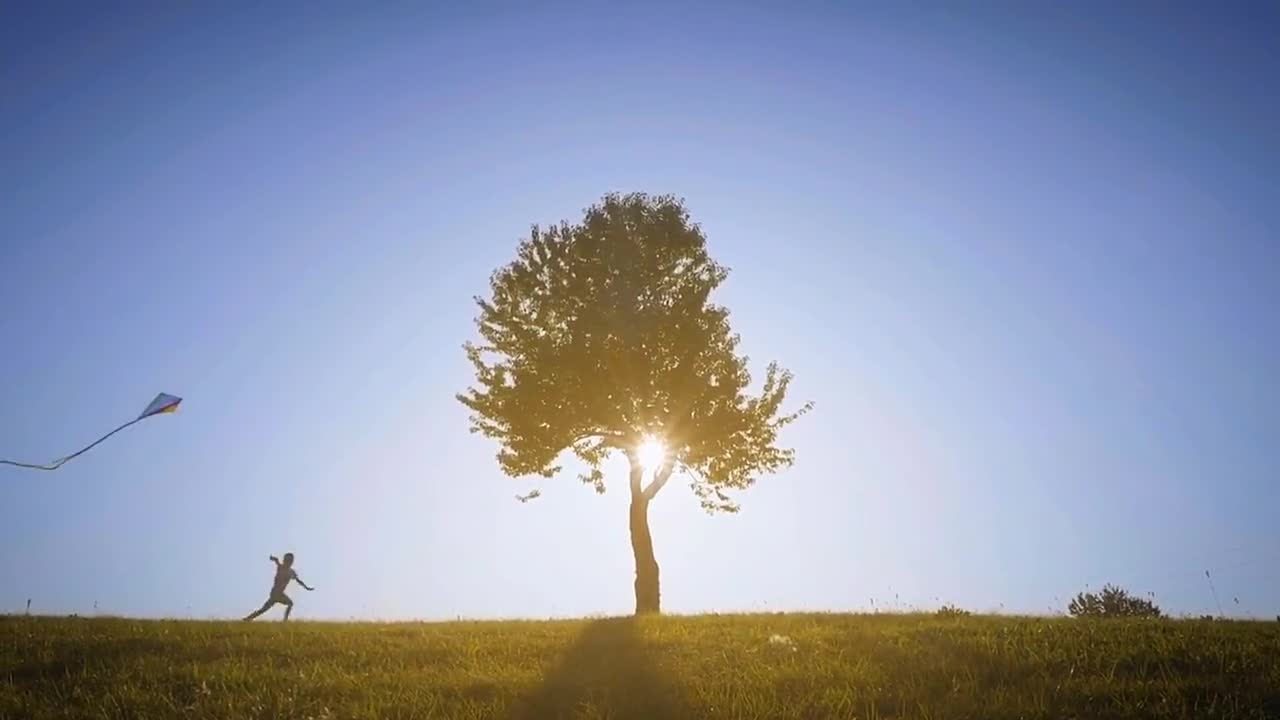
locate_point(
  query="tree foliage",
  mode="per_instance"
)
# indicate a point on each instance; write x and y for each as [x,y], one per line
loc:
[1112,602]
[602,333]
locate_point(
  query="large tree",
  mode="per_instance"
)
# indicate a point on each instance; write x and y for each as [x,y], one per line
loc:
[600,337]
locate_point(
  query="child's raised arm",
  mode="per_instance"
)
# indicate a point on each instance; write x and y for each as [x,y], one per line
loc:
[275,559]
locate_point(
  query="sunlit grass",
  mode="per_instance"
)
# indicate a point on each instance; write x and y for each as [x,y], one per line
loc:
[766,666]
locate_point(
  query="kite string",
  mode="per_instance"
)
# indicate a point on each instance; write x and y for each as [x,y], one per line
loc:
[63,460]
[28,465]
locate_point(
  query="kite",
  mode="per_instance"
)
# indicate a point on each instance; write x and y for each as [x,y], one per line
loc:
[164,403]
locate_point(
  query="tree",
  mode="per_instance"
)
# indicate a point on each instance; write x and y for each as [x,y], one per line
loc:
[599,338]
[1112,602]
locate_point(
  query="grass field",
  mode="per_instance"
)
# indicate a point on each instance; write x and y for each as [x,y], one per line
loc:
[818,666]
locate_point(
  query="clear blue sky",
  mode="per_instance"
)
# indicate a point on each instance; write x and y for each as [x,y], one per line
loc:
[1024,259]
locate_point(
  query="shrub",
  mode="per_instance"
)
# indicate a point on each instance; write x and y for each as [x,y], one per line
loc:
[951,611]
[1112,602]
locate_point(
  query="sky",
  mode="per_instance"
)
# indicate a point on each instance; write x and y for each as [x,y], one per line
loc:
[1022,257]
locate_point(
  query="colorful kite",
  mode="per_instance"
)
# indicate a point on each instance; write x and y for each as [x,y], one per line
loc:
[164,403]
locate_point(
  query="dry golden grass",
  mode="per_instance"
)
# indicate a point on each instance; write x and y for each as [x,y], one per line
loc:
[817,666]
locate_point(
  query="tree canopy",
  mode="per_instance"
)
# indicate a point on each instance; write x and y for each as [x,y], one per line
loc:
[601,334]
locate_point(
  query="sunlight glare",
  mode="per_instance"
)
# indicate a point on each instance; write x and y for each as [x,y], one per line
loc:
[651,453]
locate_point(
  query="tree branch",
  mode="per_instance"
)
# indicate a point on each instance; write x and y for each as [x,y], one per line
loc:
[660,479]
[610,438]
[637,475]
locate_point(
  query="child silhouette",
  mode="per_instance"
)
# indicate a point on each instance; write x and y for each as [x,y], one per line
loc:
[284,573]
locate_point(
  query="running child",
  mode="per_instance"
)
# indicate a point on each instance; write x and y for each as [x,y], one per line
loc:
[284,573]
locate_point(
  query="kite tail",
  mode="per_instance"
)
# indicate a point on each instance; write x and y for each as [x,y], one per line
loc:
[63,460]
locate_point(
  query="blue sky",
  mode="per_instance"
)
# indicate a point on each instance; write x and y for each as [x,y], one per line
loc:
[1023,258]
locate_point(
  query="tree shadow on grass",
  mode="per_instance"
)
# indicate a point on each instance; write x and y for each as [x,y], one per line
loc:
[607,672]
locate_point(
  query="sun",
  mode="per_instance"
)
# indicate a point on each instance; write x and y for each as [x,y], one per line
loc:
[651,453]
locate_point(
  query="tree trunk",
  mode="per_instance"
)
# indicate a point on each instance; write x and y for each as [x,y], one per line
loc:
[647,595]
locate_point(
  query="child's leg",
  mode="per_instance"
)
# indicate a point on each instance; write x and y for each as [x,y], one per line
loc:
[265,607]
[288,606]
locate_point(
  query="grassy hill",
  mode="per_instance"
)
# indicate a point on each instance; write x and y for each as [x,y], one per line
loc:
[759,666]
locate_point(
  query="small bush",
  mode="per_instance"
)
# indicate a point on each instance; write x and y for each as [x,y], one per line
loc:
[951,611]
[1112,602]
